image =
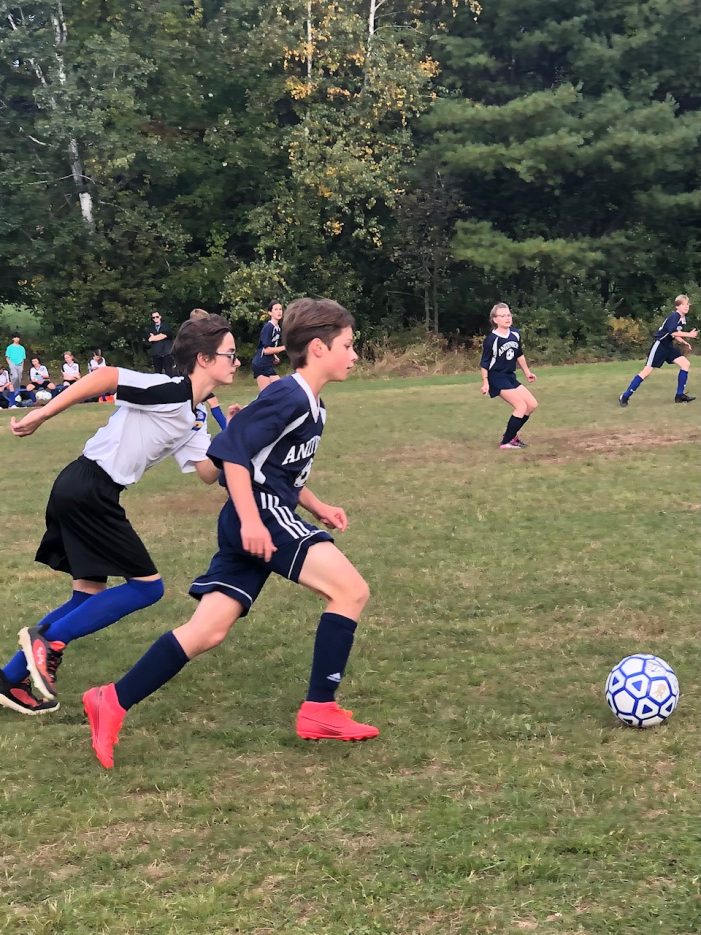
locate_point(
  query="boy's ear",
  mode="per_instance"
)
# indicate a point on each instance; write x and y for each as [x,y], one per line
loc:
[316,346]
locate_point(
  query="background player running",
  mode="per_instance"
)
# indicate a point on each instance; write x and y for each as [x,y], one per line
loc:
[265,359]
[501,351]
[267,451]
[87,532]
[664,350]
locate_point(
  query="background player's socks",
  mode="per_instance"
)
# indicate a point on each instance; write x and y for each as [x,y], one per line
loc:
[681,381]
[16,669]
[105,608]
[219,416]
[512,427]
[332,646]
[158,665]
[634,384]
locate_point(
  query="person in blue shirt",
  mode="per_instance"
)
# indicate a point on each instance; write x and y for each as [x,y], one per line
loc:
[266,453]
[501,352]
[266,359]
[664,350]
[15,355]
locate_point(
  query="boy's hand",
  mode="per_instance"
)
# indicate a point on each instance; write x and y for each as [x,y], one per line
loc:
[233,410]
[29,424]
[333,517]
[484,389]
[256,539]
[694,333]
[531,377]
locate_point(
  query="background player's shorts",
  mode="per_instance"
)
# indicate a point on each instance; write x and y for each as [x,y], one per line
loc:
[501,381]
[264,367]
[663,352]
[241,575]
[87,533]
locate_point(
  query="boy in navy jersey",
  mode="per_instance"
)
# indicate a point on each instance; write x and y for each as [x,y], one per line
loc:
[87,532]
[266,453]
[501,352]
[665,351]
[265,358]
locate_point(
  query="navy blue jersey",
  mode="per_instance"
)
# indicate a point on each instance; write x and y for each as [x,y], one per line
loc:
[499,355]
[275,437]
[269,337]
[671,324]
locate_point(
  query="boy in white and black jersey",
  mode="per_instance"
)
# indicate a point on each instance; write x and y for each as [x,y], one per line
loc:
[266,453]
[87,532]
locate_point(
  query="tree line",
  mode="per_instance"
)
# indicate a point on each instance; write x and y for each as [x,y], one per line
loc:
[415,159]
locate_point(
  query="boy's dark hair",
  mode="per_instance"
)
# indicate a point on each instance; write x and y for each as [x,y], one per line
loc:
[198,336]
[306,319]
[274,302]
[13,336]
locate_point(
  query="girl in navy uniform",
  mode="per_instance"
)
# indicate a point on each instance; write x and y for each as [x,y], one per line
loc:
[87,533]
[266,453]
[501,352]
[664,350]
[265,359]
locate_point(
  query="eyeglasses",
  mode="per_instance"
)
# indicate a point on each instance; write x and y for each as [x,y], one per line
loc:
[155,317]
[230,354]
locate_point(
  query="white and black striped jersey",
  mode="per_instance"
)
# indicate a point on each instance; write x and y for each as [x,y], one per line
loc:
[155,418]
[499,355]
[275,437]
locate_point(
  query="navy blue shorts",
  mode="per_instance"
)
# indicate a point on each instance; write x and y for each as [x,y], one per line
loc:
[663,352]
[264,367]
[501,381]
[241,575]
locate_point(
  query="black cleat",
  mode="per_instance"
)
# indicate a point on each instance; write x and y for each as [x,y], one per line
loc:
[683,398]
[623,400]
[19,698]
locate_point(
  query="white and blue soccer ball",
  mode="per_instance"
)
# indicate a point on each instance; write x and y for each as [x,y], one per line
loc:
[43,397]
[642,690]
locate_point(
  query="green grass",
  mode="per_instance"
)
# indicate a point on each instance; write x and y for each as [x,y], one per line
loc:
[502,796]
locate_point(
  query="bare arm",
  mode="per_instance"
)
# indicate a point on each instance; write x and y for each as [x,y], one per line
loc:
[271,351]
[100,382]
[332,516]
[207,471]
[521,361]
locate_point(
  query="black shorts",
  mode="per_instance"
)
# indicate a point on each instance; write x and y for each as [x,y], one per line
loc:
[240,575]
[501,381]
[264,367]
[87,532]
[662,353]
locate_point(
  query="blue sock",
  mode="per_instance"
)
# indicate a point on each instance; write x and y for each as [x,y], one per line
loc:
[219,416]
[332,646]
[158,665]
[16,669]
[681,381]
[105,608]
[634,384]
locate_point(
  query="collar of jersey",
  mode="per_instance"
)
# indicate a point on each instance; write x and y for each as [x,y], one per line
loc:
[313,401]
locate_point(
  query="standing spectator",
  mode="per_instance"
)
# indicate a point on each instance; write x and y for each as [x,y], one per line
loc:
[70,370]
[161,341]
[15,355]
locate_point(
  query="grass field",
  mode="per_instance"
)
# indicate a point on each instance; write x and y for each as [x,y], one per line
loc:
[502,796]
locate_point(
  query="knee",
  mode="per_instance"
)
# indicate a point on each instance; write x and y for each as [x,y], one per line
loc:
[359,594]
[150,591]
[532,407]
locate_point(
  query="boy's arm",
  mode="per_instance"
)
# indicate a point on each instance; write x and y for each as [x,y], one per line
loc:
[207,471]
[332,516]
[521,361]
[101,382]
[255,538]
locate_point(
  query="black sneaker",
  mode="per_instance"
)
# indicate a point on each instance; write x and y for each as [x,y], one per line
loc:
[623,400]
[20,698]
[43,659]
[683,398]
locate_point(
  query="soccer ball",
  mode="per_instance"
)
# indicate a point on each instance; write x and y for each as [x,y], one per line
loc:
[43,397]
[642,690]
